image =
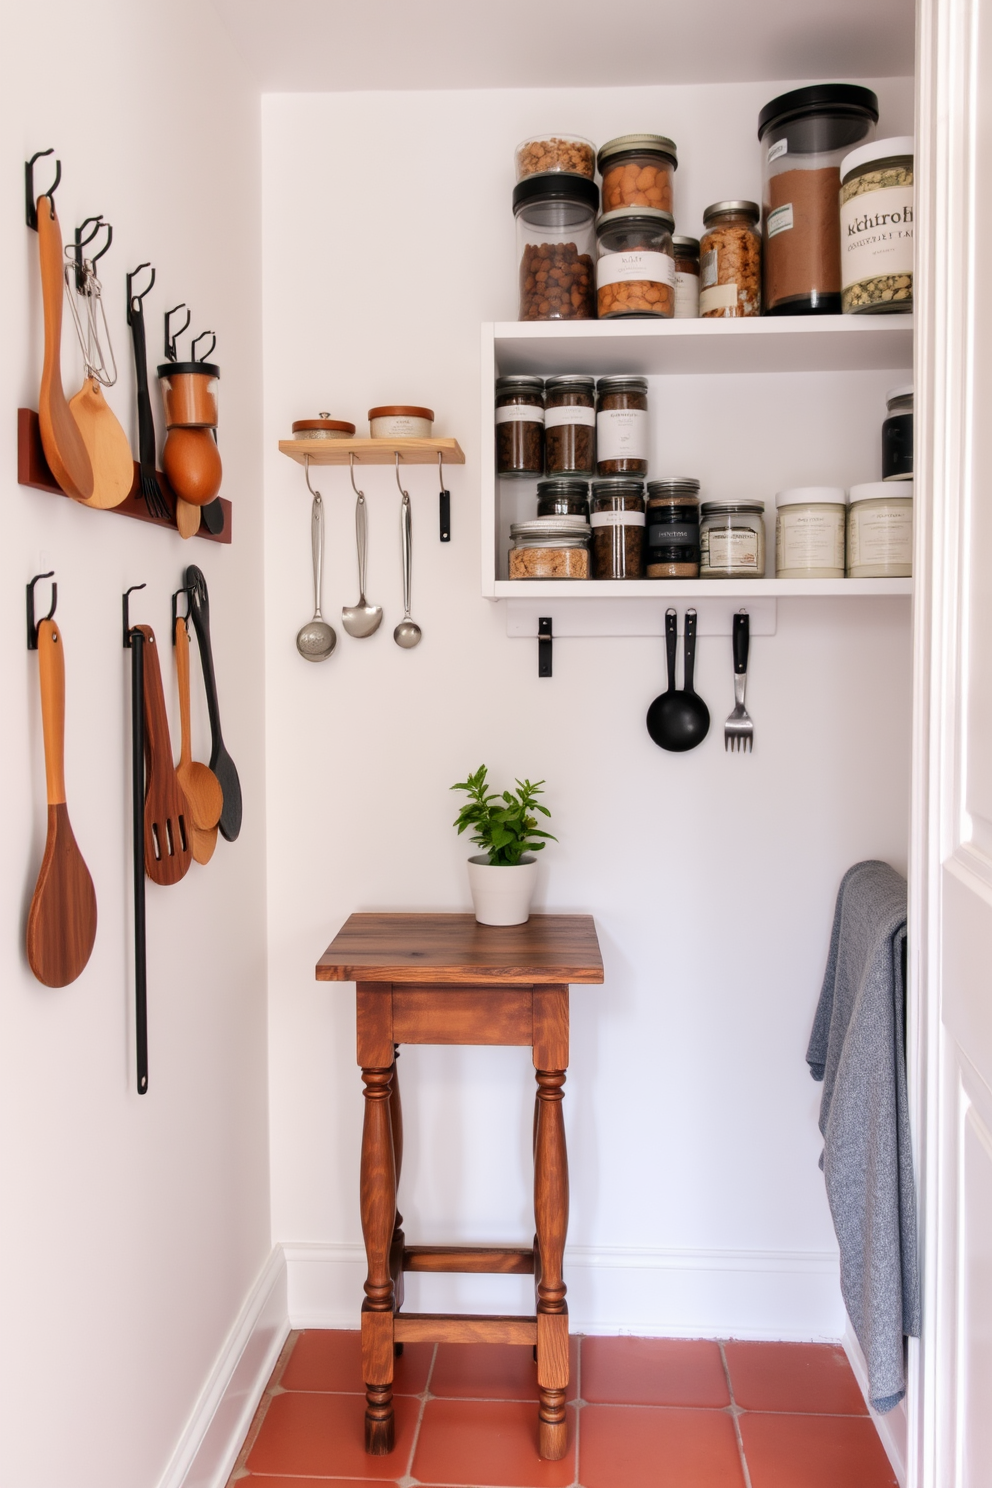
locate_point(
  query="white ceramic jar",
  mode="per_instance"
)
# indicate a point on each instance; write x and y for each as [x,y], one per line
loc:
[401,421]
[880,531]
[810,532]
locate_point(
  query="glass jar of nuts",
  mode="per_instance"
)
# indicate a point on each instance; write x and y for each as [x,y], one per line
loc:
[555,212]
[638,170]
[635,273]
[556,152]
[549,548]
[730,261]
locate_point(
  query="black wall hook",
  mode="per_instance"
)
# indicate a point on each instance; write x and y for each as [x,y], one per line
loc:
[32,622]
[444,502]
[545,641]
[30,202]
[187,590]
[171,349]
[200,337]
[132,298]
[126,607]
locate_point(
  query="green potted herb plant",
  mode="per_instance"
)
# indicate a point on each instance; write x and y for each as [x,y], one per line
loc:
[503,877]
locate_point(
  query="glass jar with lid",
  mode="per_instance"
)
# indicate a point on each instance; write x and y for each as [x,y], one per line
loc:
[686,252]
[638,170]
[897,435]
[556,243]
[563,498]
[880,530]
[556,152]
[570,425]
[617,522]
[876,228]
[672,528]
[549,548]
[732,540]
[810,532]
[804,136]
[520,426]
[730,261]
[622,426]
[635,271]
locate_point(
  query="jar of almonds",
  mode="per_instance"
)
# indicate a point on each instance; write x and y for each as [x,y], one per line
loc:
[638,170]
[730,261]
[635,274]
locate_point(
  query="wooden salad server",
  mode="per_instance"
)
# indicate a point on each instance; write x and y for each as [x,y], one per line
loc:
[198,782]
[106,444]
[65,449]
[62,918]
[168,850]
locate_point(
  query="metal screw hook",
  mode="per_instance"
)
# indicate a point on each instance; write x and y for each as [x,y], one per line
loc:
[351,470]
[306,472]
[192,350]
[404,494]
[133,300]
[171,349]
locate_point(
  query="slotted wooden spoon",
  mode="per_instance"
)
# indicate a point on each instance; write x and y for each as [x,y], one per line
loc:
[61,440]
[168,849]
[198,782]
[62,918]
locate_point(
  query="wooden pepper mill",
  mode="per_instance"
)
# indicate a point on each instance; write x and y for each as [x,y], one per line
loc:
[190,458]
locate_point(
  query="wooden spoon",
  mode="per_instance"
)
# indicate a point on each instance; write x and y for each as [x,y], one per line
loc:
[187,517]
[106,444]
[62,919]
[168,852]
[61,440]
[199,784]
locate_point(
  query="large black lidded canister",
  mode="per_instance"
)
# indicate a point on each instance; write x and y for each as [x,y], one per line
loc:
[804,137]
[897,435]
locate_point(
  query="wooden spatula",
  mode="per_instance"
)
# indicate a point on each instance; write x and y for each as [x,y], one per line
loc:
[198,782]
[62,919]
[61,440]
[168,850]
[106,444]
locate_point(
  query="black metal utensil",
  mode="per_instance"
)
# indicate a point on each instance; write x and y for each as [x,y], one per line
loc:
[679,719]
[212,516]
[151,490]
[220,761]
[134,641]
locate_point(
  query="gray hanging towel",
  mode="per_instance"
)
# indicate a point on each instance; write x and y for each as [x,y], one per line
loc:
[858,1049]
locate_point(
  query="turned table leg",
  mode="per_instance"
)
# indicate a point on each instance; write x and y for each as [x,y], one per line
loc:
[399,1239]
[551,1217]
[378,1194]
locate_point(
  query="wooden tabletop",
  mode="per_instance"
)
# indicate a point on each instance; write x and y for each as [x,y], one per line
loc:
[435,948]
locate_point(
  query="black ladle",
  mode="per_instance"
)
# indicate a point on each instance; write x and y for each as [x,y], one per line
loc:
[679,720]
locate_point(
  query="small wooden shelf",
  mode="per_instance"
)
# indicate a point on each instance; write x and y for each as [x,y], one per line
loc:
[373,451]
[33,471]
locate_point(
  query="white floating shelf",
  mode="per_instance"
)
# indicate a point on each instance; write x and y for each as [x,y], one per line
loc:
[828,343]
[680,591]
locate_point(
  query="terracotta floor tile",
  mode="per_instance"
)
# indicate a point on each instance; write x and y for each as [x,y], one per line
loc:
[659,1447]
[485,1442]
[307,1435]
[492,1371]
[812,1378]
[653,1371]
[331,1359]
[257,1481]
[814,1452]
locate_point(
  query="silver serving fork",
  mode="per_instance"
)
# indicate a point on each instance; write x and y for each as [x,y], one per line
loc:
[738,731]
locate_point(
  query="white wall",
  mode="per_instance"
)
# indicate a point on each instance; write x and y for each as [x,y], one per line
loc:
[697,1205]
[134,1227]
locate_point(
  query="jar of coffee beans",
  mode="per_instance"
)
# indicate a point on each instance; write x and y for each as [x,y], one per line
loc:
[617,523]
[555,213]
[570,425]
[622,426]
[672,529]
[520,426]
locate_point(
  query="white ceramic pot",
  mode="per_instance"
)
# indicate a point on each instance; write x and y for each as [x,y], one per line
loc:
[502,895]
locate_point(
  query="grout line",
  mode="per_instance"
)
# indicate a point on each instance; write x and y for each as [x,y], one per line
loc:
[424,1397]
[735,1413]
[578,1404]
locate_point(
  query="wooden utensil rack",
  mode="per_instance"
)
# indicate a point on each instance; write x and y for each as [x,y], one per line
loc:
[373,451]
[32,470]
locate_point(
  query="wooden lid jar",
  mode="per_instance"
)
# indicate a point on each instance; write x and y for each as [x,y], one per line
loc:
[401,421]
[190,393]
[323,427]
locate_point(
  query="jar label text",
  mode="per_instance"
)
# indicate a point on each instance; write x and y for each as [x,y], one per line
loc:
[709,268]
[733,547]
[635,267]
[520,413]
[882,536]
[809,539]
[553,417]
[781,220]
[720,297]
[777,150]
[617,519]
[876,234]
[622,434]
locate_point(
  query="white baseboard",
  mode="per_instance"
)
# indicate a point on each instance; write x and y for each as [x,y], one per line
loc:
[792,1295]
[209,1446]
[893,1427]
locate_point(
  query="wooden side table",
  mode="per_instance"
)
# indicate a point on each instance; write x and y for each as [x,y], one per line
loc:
[444,979]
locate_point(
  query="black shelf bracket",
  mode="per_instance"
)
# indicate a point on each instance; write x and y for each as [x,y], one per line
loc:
[545,641]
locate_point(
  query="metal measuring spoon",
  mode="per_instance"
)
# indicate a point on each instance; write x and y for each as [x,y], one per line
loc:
[679,720]
[408,633]
[317,639]
[361,619]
